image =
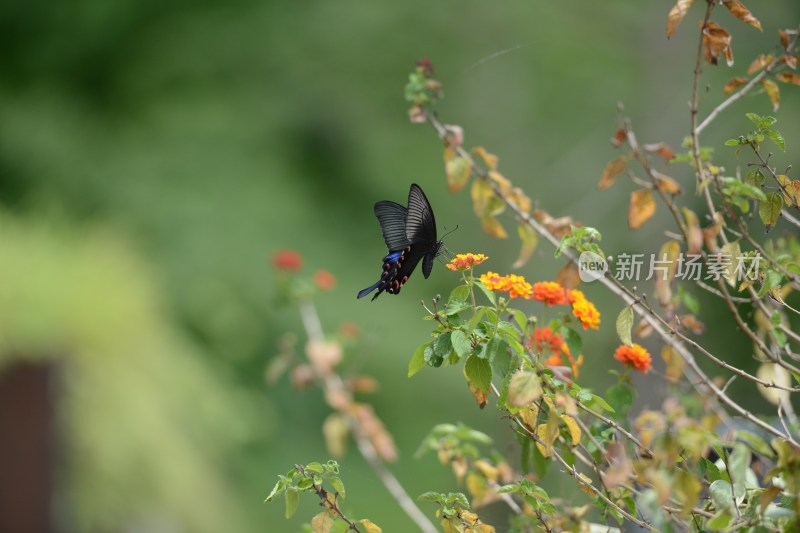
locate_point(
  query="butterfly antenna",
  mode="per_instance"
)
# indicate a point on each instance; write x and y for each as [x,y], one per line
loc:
[449,232]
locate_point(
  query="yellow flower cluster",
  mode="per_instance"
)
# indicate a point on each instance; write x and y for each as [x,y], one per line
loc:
[463,262]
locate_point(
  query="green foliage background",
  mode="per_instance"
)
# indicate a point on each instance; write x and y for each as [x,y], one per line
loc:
[153,156]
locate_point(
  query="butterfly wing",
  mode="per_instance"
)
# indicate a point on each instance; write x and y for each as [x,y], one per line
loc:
[420,222]
[397,268]
[392,218]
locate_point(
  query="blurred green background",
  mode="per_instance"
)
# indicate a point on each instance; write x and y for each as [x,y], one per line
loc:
[153,156]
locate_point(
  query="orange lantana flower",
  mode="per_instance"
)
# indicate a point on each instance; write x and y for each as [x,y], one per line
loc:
[324,280]
[545,341]
[287,260]
[516,286]
[584,310]
[635,356]
[549,292]
[466,261]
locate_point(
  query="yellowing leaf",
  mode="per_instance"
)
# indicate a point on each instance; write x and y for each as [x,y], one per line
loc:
[458,170]
[369,526]
[742,13]
[759,63]
[491,226]
[625,324]
[481,193]
[664,271]
[612,171]
[547,433]
[770,210]
[489,159]
[529,415]
[676,15]
[488,470]
[529,239]
[675,363]
[788,77]
[501,181]
[477,488]
[642,208]
[731,250]
[774,93]
[574,429]
[335,431]
[524,388]
[666,184]
[717,42]
[480,395]
[695,241]
[733,84]
[322,523]
[519,197]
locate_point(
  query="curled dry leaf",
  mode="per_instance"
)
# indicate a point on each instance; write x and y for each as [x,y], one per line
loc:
[454,136]
[676,15]
[662,149]
[501,181]
[788,77]
[522,200]
[739,11]
[759,63]
[717,42]
[733,84]
[789,60]
[642,208]
[674,363]
[613,169]
[370,426]
[618,138]
[324,355]
[691,323]
[774,94]
[695,234]
[529,239]
[557,226]
[619,469]
[569,276]
[667,265]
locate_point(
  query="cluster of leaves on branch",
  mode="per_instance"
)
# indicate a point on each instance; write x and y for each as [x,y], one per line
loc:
[702,461]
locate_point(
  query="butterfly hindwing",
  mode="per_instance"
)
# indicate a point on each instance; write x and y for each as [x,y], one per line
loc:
[392,218]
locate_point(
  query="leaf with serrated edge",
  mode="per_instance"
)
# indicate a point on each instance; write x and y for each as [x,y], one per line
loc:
[624,325]
[524,388]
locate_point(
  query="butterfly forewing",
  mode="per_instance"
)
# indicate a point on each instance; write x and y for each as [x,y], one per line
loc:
[420,223]
[392,217]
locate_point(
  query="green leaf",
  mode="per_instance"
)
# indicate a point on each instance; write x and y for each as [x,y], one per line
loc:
[755,442]
[733,142]
[489,294]
[777,138]
[620,398]
[624,325]
[754,118]
[338,486]
[524,388]
[455,306]
[720,521]
[461,344]
[431,497]
[478,372]
[431,358]
[279,487]
[739,460]
[501,361]
[573,340]
[442,346]
[770,210]
[721,494]
[460,294]
[490,349]
[292,500]
[417,360]
[599,400]
[708,470]
[755,177]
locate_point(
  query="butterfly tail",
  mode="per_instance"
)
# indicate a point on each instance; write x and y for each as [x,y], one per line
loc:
[369,289]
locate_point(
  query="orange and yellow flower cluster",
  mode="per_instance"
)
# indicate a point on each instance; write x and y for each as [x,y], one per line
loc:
[584,310]
[463,262]
[516,286]
[552,345]
[549,292]
[635,356]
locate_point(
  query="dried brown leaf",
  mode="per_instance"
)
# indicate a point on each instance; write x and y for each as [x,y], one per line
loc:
[642,208]
[676,15]
[489,159]
[557,226]
[620,468]
[733,84]
[759,63]
[612,171]
[788,77]
[618,138]
[739,11]
[569,277]
[717,42]
[789,60]
[666,184]
[695,234]
[662,149]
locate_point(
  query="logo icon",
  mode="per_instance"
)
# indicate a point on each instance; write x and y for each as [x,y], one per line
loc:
[591,266]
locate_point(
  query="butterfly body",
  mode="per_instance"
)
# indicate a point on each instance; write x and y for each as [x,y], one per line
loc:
[410,236]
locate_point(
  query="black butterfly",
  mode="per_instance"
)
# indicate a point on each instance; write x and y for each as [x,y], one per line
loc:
[410,235]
